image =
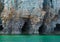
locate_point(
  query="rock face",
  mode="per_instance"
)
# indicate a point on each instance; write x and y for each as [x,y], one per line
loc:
[29,17]
[1,9]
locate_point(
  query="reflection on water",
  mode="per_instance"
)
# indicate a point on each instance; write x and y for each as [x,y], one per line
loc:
[26,38]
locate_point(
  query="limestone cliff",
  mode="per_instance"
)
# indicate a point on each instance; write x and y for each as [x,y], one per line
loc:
[29,16]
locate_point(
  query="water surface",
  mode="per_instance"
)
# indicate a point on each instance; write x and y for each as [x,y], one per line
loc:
[29,38]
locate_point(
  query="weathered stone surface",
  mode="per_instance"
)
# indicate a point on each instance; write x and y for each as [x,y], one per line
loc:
[29,12]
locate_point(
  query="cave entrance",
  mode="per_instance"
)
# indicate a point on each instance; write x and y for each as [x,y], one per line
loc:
[25,28]
[41,29]
[57,28]
[1,27]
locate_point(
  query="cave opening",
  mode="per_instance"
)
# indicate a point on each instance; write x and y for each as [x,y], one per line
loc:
[1,27]
[41,29]
[25,28]
[57,28]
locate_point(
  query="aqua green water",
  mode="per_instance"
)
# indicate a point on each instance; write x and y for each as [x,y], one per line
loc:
[33,38]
